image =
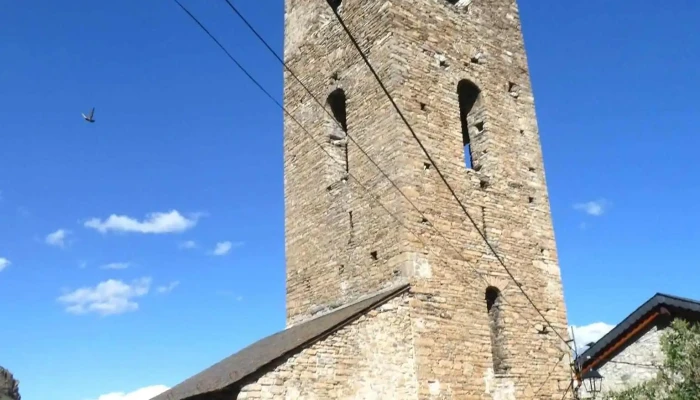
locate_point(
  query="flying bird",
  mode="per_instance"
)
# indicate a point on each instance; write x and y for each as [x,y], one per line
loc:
[89,117]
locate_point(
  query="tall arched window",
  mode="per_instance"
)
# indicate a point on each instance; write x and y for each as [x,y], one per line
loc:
[471,117]
[494,307]
[338,128]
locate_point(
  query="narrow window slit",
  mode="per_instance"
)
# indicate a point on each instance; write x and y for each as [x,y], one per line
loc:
[494,305]
[469,96]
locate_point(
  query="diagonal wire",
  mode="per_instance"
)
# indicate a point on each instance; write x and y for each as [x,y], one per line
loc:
[376,198]
[437,169]
[570,387]
[323,107]
[549,375]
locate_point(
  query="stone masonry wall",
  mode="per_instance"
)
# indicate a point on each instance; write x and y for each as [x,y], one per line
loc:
[505,192]
[341,244]
[633,365]
[371,358]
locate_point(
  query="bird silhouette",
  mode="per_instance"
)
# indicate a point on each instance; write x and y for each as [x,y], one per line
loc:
[89,117]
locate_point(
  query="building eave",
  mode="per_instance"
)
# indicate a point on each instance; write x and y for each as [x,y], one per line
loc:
[644,316]
[236,368]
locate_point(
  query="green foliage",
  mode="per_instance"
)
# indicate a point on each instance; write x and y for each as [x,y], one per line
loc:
[679,376]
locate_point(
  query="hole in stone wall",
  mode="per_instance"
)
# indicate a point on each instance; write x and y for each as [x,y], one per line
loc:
[335,76]
[424,220]
[335,4]
[422,106]
[475,60]
[352,225]
[341,269]
[531,169]
[522,131]
[530,200]
[396,272]
[337,102]
[468,95]
[373,255]
[479,127]
[513,89]
[483,184]
[496,327]
[460,3]
[426,166]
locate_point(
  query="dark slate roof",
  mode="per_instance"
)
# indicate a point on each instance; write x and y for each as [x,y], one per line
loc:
[657,301]
[237,367]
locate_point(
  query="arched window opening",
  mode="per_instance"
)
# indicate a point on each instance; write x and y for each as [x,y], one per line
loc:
[337,102]
[470,116]
[494,305]
[338,128]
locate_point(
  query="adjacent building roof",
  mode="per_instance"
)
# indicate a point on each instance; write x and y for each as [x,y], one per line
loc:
[234,369]
[626,330]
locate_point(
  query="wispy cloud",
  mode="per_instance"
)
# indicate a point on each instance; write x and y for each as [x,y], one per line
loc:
[110,297]
[591,333]
[223,248]
[188,244]
[58,238]
[116,265]
[229,293]
[4,263]
[168,288]
[145,393]
[595,208]
[154,223]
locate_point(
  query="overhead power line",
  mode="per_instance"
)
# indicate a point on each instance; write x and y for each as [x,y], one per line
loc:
[323,107]
[437,169]
[375,198]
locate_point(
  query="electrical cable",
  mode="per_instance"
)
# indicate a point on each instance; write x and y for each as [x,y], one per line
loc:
[308,91]
[442,177]
[298,123]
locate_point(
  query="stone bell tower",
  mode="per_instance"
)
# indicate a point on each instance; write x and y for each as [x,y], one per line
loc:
[459,73]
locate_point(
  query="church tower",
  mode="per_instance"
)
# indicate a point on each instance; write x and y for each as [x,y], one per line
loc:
[458,71]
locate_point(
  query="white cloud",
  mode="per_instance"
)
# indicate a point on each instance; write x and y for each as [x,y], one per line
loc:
[168,288]
[595,208]
[4,263]
[116,265]
[107,298]
[222,248]
[189,244]
[586,334]
[155,223]
[57,238]
[145,393]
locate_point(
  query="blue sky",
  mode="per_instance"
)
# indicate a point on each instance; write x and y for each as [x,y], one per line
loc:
[185,149]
